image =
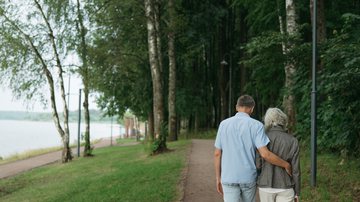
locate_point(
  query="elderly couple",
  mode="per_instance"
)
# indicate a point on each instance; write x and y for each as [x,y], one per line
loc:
[238,139]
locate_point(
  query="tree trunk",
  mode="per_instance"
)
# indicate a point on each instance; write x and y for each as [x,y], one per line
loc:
[320,31]
[66,135]
[158,105]
[84,72]
[156,7]
[224,65]
[87,147]
[321,28]
[290,68]
[151,125]
[172,73]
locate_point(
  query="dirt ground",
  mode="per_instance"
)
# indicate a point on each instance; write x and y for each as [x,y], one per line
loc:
[200,182]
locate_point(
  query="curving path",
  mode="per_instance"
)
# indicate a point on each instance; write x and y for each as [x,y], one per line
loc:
[16,167]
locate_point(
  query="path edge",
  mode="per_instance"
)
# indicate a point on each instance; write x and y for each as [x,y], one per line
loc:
[184,175]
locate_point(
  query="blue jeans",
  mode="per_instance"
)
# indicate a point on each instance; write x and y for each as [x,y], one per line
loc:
[244,192]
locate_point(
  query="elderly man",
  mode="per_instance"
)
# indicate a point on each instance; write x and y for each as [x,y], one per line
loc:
[236,143]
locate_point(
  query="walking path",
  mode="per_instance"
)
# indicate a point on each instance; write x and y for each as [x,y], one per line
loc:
[14,168]
[200,185]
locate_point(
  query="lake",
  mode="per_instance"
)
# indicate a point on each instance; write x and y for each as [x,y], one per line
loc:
[21,136]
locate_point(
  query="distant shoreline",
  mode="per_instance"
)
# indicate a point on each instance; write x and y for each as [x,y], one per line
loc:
[95,116]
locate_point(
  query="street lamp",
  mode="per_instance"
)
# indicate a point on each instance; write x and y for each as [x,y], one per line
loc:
[313,99]
[79,124]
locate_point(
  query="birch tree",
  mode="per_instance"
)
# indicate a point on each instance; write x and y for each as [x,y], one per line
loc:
[32,54]
[290,67]
[84,72]
[152,18]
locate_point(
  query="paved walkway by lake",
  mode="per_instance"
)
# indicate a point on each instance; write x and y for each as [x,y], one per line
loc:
[16,167]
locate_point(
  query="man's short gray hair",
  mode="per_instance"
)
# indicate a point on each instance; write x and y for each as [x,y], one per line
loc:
[275,117]
[245,101]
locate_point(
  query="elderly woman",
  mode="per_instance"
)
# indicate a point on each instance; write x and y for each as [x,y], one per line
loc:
[274,183]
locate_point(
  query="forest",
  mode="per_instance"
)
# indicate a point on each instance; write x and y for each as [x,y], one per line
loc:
[181,65]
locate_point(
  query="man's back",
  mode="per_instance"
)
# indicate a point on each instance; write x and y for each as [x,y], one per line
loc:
[238,137]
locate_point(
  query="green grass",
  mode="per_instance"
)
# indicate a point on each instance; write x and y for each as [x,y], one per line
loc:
[210,134]
[338,179]
[116,173]
[125,140]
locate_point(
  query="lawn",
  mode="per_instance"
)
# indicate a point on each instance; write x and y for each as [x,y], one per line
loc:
[338,179]
[118,173]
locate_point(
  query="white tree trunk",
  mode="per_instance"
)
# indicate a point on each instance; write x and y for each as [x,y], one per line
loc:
[290,68]
[154,66]
[66,154]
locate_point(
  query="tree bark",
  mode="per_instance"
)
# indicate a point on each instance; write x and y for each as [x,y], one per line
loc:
[84,72]
[321,28]
[172,73]
[151,125]
[290,68]
[66,154]
[223,66]
[153,47]
[156,7]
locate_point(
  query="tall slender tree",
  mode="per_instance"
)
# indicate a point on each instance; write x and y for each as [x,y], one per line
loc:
[290,66]
[152,17]
[172,71]
[84,72]
[35,48]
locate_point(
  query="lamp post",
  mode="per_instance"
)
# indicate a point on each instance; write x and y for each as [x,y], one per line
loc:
[79,123]
[313,98]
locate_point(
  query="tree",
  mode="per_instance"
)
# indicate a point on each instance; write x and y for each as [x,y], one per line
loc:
[35,48]
[152,23]
[290,66]
[84,72]
[172,72]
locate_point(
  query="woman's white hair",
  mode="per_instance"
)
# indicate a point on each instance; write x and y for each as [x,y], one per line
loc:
[275,117]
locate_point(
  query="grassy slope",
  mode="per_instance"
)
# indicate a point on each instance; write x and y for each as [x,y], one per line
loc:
[337,179]
[114,174]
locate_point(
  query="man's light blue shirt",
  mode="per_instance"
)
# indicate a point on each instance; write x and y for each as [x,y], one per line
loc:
[238,137]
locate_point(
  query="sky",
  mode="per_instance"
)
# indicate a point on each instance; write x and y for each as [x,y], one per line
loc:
[9,103]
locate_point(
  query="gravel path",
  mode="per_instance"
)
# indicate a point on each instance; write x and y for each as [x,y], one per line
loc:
[200,179]
[200,183]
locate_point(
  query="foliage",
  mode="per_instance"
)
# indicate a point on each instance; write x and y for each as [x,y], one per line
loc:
[207,31]
[340,106]
[337,178]
[119,58]
[159,144]
[265,62]
[338,99]
[208,134]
